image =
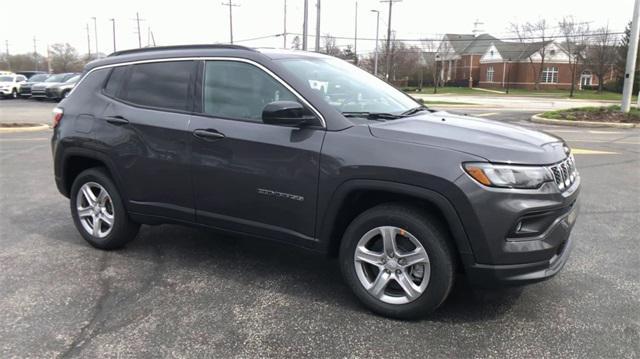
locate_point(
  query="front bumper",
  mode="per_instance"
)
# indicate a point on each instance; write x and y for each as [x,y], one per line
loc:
[517,236]
[486,275]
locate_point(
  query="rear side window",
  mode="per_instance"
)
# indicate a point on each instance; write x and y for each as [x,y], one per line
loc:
[115,81]
[160,84]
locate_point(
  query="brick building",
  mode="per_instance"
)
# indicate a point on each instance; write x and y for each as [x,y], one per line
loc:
[487,62]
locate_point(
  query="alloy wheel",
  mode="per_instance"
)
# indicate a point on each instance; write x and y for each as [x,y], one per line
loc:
[95,209]
[392,265]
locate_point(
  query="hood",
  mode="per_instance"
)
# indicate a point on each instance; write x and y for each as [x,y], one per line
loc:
[492,140]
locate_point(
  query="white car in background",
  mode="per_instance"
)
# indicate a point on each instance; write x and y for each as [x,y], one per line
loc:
[10,85]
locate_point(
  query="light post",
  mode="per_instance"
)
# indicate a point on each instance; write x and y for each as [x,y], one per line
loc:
[95,35]
[508,74]
[113,21]
[375,63]
[437,75]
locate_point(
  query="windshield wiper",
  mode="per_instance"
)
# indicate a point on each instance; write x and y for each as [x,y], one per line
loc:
[372,115]
[414,110]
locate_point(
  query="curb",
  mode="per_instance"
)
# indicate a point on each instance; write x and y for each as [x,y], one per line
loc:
[548,121]
[39,127]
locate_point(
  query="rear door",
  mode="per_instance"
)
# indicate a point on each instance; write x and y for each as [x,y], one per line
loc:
[250,176]
[145,126]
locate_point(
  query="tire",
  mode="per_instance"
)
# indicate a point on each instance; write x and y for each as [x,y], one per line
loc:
[108,208]
[64,95]
[14,94]
[409,227]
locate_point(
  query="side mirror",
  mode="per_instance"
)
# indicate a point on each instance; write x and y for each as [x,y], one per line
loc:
[286,113]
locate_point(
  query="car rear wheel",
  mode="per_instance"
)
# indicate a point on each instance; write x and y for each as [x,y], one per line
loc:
[98,211]
[397,260]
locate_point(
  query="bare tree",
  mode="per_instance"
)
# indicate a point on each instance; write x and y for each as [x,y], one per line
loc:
[329,46]
[576,35]
[64,58]
[601,53]
[528,33]
[295,43]
[429,61]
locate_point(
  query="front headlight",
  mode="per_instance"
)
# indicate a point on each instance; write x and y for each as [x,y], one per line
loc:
[508,176]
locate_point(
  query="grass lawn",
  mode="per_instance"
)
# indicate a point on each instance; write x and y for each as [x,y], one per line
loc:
[600,114]
[428,102]
[584,94]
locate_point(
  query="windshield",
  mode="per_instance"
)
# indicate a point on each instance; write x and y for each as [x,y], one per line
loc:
[38,78]
[348,88]
[56,78]
[73,79]
[6,78]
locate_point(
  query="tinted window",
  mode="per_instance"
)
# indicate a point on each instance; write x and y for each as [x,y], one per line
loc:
[115,81]
[238,90]
[162,84]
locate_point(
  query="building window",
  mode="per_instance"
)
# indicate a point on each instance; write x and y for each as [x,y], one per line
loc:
[490,74]
[549,75]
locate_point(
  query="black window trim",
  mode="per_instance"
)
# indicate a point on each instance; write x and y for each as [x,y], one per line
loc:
[318,114]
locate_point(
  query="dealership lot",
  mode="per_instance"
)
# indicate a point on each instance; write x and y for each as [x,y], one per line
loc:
[183,292]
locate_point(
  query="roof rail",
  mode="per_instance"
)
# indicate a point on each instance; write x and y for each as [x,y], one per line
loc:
[181,47]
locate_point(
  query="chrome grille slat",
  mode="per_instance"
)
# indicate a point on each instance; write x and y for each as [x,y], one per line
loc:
[564,173]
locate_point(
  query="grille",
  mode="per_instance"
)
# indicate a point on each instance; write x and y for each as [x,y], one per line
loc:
[564,173]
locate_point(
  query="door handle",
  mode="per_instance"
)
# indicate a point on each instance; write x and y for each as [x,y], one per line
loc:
[208,134]
[116,120]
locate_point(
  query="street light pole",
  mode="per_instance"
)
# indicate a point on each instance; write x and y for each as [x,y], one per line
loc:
[113,22]
[631,59]
[388,57]
[304,25]
[35,52]
[95,34]
[355,38]
[317,25]
[375,63]
[284,33]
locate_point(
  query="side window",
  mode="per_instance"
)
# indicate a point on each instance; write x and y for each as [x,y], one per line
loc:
[21,78]
[160,84]
[115,81]
[239,90]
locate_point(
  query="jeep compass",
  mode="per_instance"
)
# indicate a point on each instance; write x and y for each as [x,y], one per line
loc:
[309,150]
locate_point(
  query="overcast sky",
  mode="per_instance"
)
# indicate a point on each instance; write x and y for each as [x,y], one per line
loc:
[193,21]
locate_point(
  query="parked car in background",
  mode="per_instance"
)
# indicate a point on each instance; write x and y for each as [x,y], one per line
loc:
[10,85]
[58,92]
[25,88]
[30,74]
[39,91]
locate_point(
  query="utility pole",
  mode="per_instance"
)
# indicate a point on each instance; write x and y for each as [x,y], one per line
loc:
[388,47]
[355,38]
[88,42]
[317,25]
[6,46]
[35,52]
[231,5]
[631,59]
[284,33]
[304,25]
[375,63]
[95,35]
[113,23]
[139,36]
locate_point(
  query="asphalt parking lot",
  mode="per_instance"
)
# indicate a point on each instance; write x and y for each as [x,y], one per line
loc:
[182,292]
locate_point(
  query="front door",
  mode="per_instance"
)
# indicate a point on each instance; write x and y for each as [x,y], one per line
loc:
[249,176]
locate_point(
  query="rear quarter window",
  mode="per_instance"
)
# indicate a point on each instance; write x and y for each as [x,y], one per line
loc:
[116,78]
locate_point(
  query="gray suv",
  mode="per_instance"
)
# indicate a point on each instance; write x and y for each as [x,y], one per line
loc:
[309,150]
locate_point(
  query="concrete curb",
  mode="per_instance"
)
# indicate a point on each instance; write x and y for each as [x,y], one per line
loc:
[548,121]
[35,127]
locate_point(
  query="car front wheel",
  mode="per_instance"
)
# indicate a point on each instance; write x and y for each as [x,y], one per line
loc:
[398,261]
[98,211]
